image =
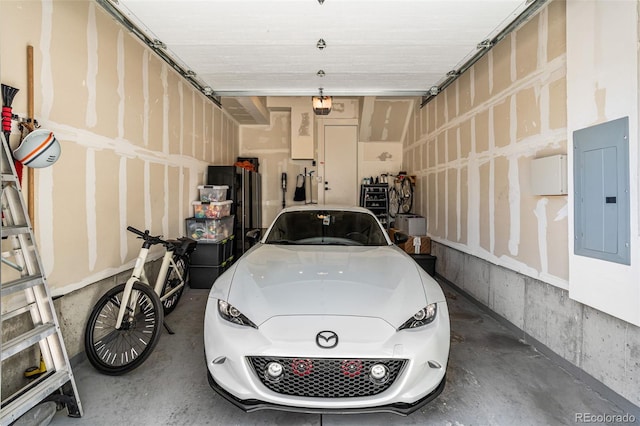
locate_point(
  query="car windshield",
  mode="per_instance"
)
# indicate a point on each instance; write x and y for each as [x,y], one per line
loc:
[326,227]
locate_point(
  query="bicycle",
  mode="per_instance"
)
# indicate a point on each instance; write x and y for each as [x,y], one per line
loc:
[400,195]
[124,325]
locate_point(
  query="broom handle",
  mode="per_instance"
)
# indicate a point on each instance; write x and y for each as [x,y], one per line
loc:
[30,115]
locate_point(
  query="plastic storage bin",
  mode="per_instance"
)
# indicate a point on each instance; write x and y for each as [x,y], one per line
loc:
[212,253]
[211,210]
[411,224]
[210,229]
[210,193]
[205,276]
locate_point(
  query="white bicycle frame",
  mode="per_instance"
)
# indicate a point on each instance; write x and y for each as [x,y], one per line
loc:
[129,296]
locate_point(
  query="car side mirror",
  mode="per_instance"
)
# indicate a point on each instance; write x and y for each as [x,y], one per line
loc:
[399,238]
[253,236]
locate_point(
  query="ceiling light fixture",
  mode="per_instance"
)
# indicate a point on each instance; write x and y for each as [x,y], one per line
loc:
[321,2]
[320,73]
[321,44]
[321,104]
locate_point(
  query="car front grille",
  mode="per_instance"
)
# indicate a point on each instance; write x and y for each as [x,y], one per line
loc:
[327,377]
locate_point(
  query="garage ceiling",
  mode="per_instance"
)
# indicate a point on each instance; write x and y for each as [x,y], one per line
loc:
[269,47]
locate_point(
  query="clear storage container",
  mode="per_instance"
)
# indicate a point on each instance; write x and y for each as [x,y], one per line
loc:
[203,229]
[211,210]
[210,193]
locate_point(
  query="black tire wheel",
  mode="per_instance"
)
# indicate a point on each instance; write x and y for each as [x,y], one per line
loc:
[172,281]
[406,190]
[117,351]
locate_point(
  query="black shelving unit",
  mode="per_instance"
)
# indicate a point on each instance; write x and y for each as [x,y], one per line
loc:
[375,197]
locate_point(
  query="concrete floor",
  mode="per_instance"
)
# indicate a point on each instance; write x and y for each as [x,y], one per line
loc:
[493,379]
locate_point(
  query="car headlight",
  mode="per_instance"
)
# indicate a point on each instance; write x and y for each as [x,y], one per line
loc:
[424,316]
[232,314]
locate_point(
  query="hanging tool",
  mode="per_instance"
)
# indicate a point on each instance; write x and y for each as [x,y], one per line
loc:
[284,189]
[299,193]
[8,93]
[311,172]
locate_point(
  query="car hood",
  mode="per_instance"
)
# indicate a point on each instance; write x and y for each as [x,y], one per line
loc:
[275,280]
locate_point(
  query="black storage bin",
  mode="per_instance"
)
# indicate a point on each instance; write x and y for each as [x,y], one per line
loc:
[229,247]
[212,253]
[204,276]
[426,262]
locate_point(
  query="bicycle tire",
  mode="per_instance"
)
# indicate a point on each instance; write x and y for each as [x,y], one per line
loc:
[394,202]
[172,281]
[117,351]
[406,190]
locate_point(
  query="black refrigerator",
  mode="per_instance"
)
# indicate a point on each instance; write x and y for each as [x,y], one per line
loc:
[245,190]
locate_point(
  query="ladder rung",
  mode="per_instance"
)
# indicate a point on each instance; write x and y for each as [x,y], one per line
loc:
[26,340]
[21,310]
[20,284]
[8,177]
[30,398]
[15,230]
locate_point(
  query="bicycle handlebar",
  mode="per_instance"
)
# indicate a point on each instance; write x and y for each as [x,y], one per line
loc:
[145,236]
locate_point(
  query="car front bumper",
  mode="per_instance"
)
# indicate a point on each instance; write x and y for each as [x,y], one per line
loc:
[250,405]
[422,378]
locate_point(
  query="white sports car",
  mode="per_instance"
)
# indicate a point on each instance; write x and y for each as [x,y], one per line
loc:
[326,315]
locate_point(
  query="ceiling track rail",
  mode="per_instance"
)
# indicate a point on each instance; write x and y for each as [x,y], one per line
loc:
[160,49]
[483,48]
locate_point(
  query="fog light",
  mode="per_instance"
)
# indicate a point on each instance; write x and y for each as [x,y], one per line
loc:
[378,372]
[274,370]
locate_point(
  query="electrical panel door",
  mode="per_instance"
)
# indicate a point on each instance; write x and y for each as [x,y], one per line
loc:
[601,183]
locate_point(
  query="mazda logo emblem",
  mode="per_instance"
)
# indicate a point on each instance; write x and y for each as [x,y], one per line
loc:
[327,339]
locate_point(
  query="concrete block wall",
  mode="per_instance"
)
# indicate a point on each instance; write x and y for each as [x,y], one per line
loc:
[604,347]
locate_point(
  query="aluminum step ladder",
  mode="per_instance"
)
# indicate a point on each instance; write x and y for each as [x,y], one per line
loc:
[29,321]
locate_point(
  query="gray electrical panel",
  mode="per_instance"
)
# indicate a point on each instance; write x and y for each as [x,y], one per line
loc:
[601,183]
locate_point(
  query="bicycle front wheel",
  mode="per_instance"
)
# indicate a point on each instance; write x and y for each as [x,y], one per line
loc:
[406,190]
[175,277]
[394,202]
[116,351]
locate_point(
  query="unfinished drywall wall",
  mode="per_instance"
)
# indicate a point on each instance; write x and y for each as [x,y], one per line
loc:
[136,141]
[136,138]
[475,142]
[271,144]
[504,246]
